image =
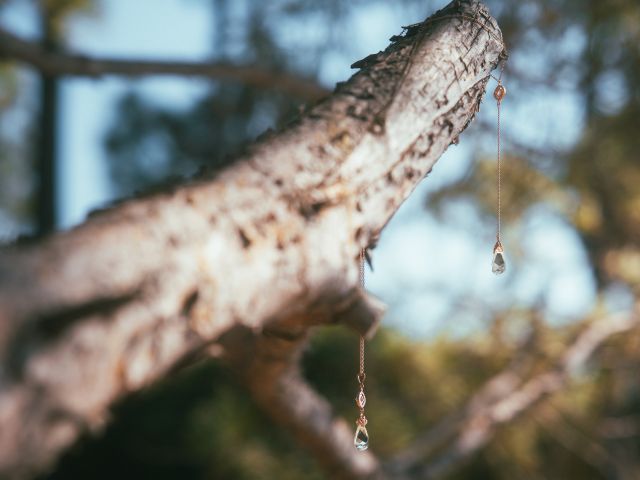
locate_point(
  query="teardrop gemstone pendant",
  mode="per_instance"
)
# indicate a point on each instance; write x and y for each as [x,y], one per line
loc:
[499,265]
[361,439]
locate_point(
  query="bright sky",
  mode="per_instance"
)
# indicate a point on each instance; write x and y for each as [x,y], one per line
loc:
[421,264]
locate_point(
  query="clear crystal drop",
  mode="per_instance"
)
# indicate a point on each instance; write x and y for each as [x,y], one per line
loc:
[499,265]
[361,440]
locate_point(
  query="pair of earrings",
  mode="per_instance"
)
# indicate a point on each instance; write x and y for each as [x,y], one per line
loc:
[361,439]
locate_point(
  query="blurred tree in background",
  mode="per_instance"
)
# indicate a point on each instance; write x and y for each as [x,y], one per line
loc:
[29,146]
[16,163]
[202,424]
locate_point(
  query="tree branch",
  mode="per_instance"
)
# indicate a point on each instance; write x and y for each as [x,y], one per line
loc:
[267,246]
[59,63]
[503,398]
[268,364]
[588,449]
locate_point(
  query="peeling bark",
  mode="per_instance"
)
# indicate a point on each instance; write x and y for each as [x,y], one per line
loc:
[267,247]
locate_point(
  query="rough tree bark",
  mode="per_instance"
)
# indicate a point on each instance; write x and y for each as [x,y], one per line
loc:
[249,258]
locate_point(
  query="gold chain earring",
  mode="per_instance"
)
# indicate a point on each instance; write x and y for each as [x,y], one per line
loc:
[361,439]
[499,266]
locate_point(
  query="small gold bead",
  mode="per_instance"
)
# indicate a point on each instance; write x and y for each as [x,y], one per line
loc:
[499,92]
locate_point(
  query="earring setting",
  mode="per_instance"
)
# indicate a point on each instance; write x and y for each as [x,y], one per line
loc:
[361,438]
[499,265]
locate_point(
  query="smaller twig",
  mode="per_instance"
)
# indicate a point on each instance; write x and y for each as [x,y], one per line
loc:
[481,426]
[617,428]
[565,433]
[267,364]
[505,397]
[446,429]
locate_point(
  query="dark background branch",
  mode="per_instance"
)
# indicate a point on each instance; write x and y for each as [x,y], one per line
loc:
[60,63]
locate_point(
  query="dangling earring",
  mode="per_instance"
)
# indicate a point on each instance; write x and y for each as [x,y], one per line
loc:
[499,266]
[361,439]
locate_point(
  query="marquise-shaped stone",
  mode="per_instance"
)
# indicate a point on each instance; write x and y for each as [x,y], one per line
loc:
[361,400]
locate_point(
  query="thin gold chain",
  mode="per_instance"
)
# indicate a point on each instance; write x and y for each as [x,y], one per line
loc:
[499,166]
[499,180]
[362,259]
[361,398]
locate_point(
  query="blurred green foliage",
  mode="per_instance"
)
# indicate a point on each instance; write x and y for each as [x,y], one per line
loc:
[16,167]
[202,424]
